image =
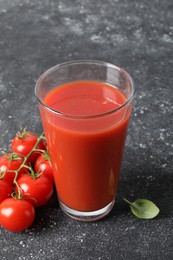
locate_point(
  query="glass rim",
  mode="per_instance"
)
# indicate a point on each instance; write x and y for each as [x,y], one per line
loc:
[58,66]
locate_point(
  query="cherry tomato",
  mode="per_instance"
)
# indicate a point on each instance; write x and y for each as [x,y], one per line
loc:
[24,142]
[11,162]
[5,190]
[36,190]
[44,166]
[16,214]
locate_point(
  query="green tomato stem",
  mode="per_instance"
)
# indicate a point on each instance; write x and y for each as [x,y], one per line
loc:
[23,165]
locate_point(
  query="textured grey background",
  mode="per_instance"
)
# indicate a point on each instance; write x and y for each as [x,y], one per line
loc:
[135,35]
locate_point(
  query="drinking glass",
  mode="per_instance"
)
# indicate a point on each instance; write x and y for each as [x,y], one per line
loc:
[86,150]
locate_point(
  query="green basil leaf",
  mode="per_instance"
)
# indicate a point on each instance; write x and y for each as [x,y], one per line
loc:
[143,208]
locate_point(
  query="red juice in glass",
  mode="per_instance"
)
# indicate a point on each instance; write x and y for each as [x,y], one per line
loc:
[85,123]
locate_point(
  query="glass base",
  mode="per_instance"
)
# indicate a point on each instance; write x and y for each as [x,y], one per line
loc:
[88,216]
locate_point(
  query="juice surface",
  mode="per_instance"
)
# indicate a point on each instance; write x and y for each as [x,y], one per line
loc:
[86,153]
[84,98]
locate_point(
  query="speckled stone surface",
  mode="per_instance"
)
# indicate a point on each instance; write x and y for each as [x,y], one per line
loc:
[135,35]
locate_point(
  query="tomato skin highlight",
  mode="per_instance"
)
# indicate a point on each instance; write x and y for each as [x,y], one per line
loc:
[16,214]
[44,166]
[24,144]
[5,190]
[11,164]
[37,191]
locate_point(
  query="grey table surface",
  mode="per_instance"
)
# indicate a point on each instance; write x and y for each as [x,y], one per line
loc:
[137,36]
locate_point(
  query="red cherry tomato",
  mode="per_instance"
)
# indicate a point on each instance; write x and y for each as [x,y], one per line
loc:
[11,162]
[5,190]
[24,142]
[37,190]
[16,214]
[44,166]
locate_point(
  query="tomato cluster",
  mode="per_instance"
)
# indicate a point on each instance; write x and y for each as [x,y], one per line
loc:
[26,180]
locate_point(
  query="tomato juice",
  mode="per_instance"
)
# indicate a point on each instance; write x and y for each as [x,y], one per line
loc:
[85,124]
